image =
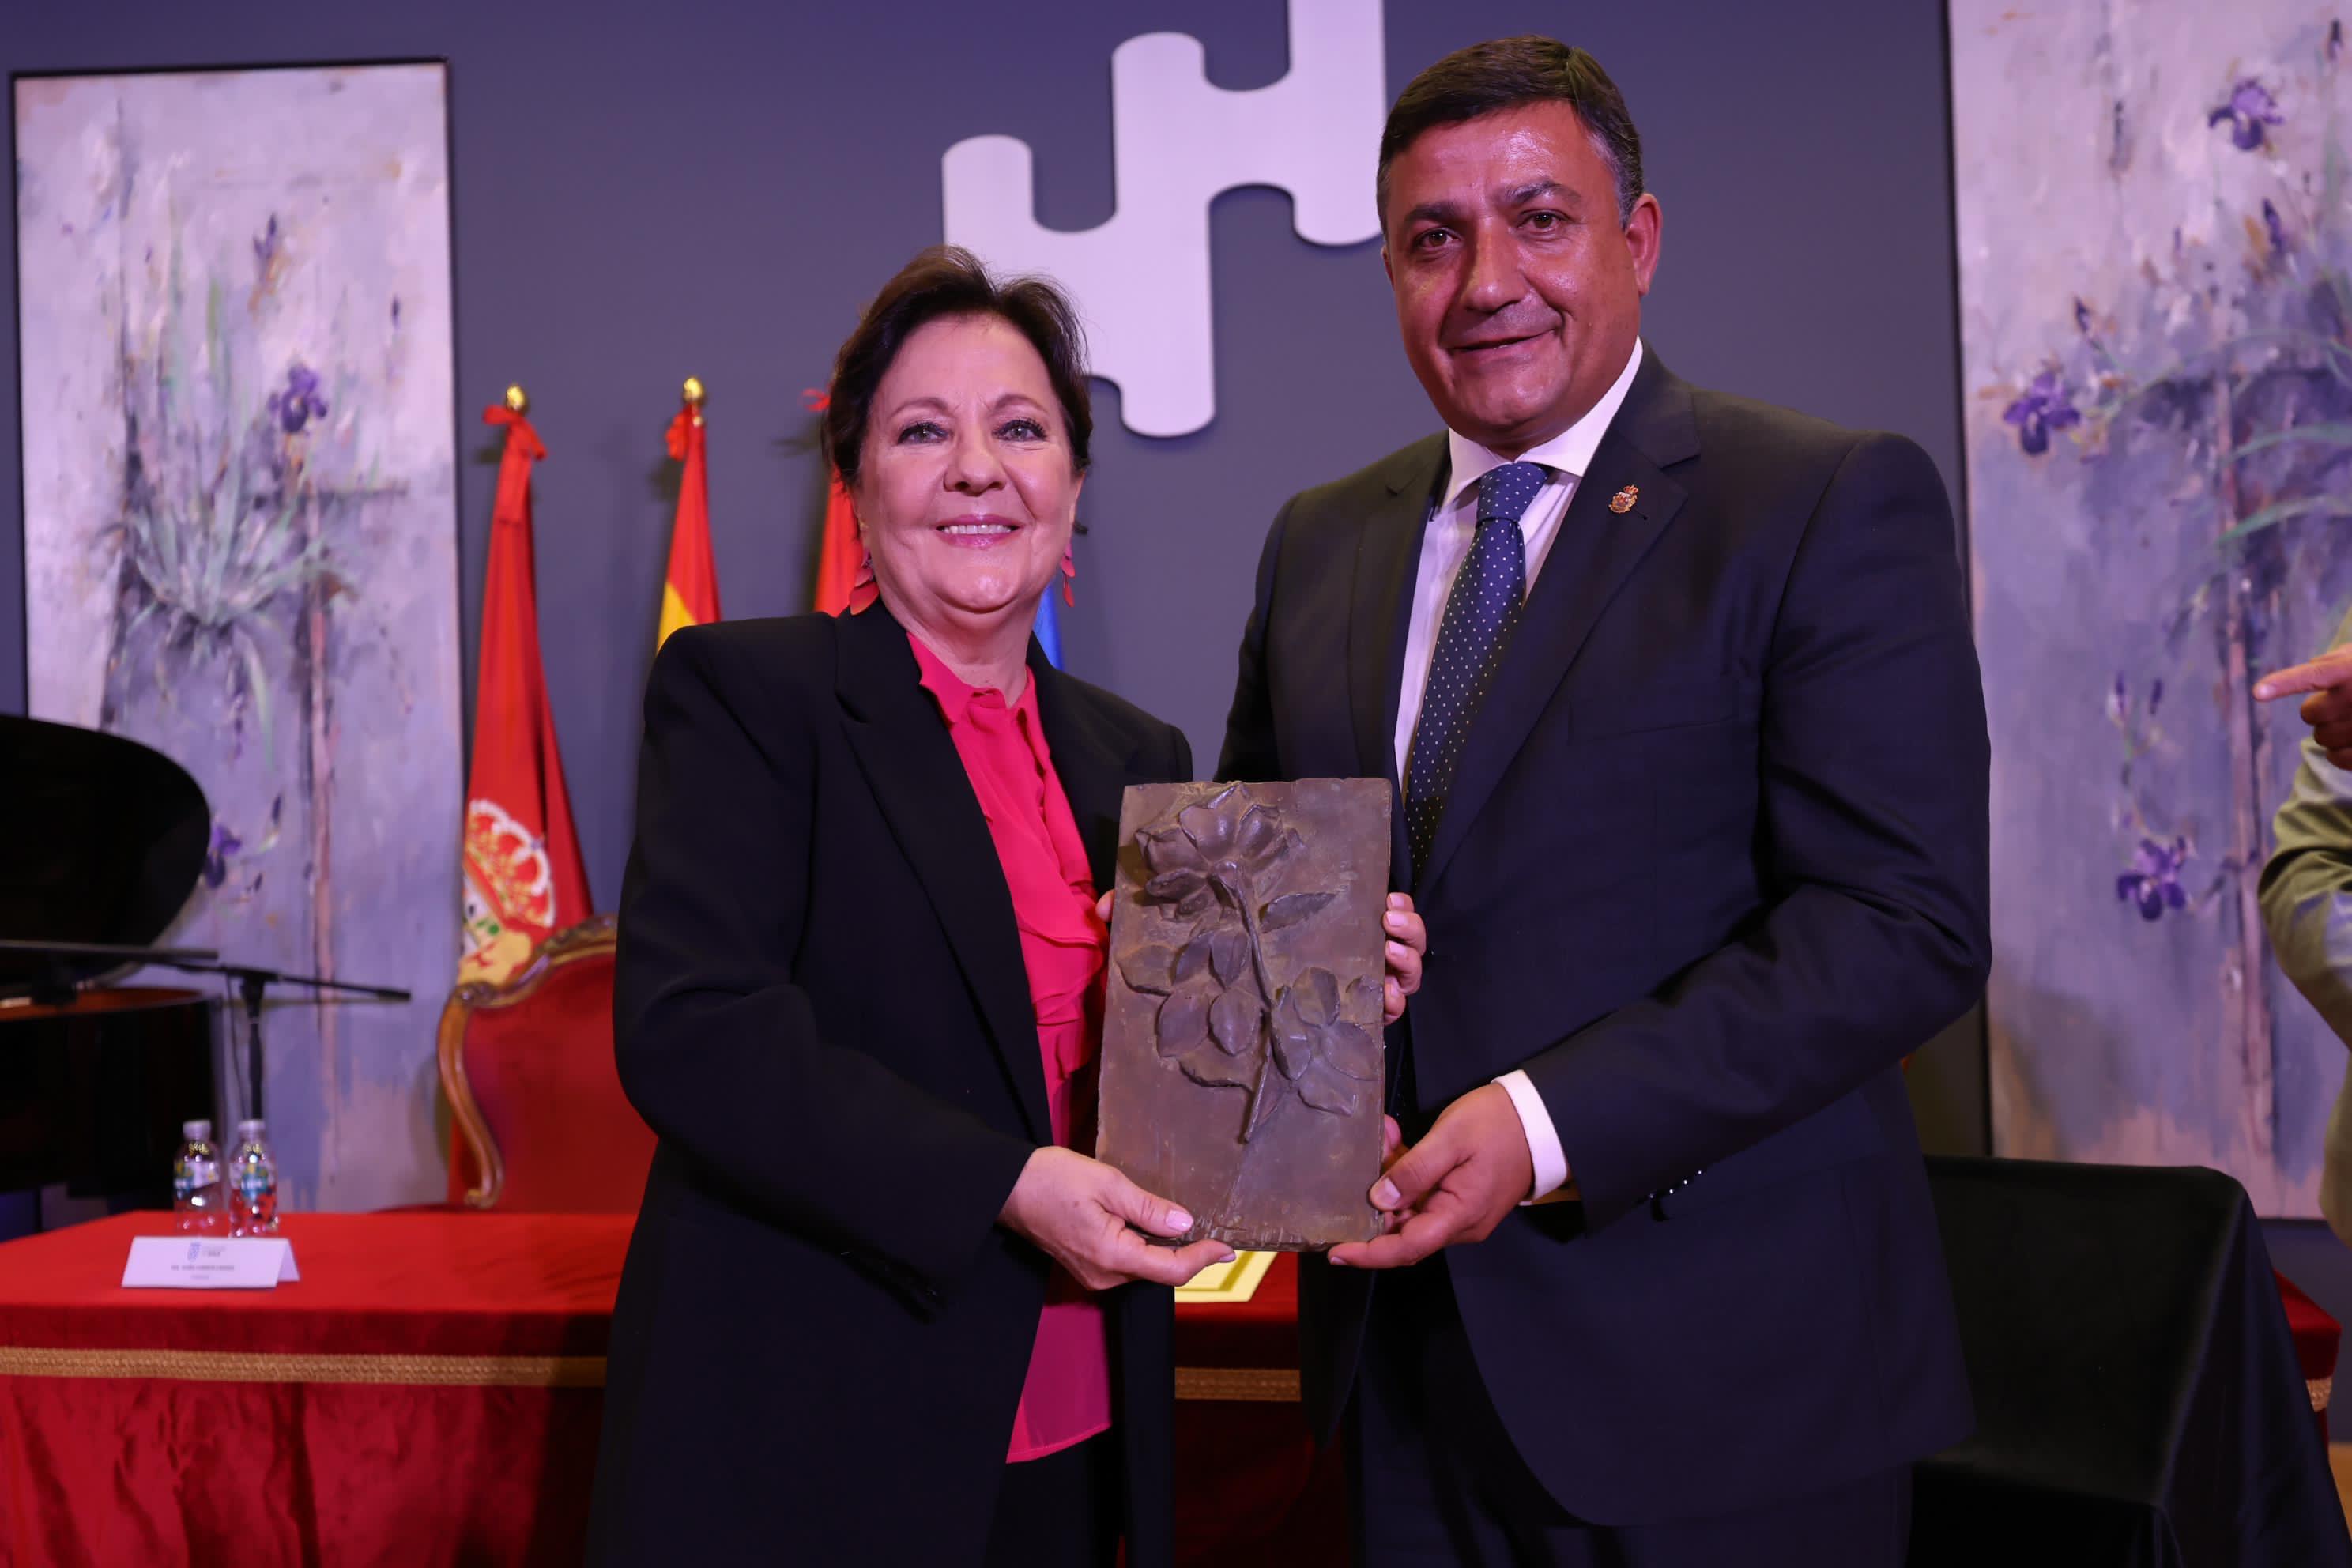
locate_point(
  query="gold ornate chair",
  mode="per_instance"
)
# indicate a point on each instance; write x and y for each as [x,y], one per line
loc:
[539,1121]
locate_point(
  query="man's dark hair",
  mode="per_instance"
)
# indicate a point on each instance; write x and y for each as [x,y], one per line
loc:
[949,280]
[1503,73]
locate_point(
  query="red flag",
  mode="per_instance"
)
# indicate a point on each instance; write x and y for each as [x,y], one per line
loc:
[690,588]
[524,878]
[841,559]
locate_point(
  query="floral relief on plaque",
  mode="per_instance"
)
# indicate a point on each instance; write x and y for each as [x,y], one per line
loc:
[1243,1073]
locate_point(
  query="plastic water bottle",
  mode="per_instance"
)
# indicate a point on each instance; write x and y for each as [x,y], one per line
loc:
[252,1184]
[197,1197]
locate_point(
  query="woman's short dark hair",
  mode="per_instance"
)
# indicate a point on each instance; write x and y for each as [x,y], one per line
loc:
[1503,73]
[949,280]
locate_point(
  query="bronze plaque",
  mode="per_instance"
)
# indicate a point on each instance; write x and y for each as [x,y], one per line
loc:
[1241,1072]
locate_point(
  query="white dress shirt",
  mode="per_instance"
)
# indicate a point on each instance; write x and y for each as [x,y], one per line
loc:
[1444,547]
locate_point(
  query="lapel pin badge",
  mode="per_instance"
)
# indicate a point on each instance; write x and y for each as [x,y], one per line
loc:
[1623,501]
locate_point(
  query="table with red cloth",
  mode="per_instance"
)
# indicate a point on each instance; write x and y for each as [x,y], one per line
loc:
[1251,1485]
[428,1392]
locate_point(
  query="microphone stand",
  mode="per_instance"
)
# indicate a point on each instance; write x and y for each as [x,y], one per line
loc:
[251,986]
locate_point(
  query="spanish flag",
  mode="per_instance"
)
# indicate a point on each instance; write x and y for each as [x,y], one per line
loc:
[524,877]
[690,590]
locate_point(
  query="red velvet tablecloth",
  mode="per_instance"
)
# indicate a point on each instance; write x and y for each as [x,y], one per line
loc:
[428,1392]
[1251,1487]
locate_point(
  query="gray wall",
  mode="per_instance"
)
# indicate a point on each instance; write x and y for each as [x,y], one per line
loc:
[643,192]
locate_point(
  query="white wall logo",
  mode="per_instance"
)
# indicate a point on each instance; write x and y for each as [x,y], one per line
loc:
[1141,280]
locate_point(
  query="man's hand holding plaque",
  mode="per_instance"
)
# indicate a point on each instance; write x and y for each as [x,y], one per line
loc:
[1455,1186]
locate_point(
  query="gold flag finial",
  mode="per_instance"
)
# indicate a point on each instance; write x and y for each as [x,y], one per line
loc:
[516,400]
[694,390]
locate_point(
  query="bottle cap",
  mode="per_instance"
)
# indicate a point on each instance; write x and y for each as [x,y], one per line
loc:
[249,1131]
[196,1132]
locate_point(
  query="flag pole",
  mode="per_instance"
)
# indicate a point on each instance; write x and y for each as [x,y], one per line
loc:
[690,581]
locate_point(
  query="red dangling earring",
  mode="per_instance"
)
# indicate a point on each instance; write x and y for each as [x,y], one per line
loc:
[1069,571]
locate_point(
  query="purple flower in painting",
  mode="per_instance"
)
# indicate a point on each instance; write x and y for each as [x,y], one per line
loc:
[2082,318]
[299,403]
[2250,113]
[2272,227]
[2045,405]
[2119,701]
[267,247]
[223,845]
[2154,881]
[2334,41]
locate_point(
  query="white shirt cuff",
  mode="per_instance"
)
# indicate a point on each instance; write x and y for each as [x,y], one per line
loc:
[1543,1141]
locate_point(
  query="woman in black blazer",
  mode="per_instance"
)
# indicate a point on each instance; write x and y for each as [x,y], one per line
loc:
[860,1204]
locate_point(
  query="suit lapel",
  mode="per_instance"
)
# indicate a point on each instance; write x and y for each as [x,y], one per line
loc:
[1388,554]
[1092,759]
[1594,553]
[919,782]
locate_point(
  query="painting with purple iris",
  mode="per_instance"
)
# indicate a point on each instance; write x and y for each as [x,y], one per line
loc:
[2249,112]
[297,403]
[240,537]
[2045,405]
[2156,323]
[2154,882]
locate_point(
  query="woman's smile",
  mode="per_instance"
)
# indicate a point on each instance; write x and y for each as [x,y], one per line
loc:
[983,531]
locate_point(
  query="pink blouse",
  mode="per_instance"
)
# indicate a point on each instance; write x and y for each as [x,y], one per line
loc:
[1066,1398]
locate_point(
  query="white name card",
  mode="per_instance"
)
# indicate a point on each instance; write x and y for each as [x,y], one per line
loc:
[209,1262]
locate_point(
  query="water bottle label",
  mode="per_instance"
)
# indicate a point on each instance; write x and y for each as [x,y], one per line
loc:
[184,1185]
[255,1185]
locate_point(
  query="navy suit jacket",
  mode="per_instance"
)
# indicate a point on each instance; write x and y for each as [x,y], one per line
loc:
[1712,862]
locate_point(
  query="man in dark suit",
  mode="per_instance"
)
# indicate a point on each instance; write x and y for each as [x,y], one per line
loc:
[1680,696]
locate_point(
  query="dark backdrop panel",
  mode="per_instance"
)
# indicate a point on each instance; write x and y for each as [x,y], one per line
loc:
[641,193]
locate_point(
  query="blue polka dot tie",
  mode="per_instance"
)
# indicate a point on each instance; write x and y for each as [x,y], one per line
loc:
[1480,614]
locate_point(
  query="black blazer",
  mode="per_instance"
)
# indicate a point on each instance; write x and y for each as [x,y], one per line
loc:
[1713,861]
[821,1009]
